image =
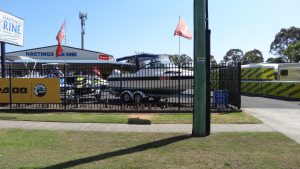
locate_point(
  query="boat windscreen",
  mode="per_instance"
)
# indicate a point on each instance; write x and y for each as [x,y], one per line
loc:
[162,61]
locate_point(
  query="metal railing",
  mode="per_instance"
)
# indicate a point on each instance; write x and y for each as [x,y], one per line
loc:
[164,88]
[226,86]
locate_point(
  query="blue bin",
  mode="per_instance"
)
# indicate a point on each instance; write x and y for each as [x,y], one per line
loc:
[221,98]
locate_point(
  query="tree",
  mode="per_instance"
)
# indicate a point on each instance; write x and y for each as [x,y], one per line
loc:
[253,56]
[283,39]
[276,60]
[233,56]
[212,60]
[183,59]
[293,52]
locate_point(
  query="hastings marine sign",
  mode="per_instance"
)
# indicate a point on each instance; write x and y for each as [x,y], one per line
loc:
[11,29]
[69,54]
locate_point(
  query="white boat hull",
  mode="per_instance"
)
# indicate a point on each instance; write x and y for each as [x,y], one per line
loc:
[153,81]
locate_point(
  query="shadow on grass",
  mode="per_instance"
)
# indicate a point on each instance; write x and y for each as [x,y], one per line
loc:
[139,121]
[8,118]
[131,150]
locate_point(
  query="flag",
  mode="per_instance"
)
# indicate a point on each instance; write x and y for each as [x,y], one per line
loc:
[59,49]
[182,30]
[97,71]
[59,37]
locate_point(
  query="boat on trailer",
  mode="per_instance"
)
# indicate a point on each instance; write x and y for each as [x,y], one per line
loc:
[154,76]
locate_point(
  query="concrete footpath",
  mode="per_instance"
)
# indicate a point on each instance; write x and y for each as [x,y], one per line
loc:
[281,115]
[283,120]
[156,128]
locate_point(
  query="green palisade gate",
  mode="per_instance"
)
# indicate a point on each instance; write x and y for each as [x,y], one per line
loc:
[201,116]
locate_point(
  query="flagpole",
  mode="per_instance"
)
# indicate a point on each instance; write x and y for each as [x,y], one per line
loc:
[179,41]
[65,39]
[179,46]
[65,32]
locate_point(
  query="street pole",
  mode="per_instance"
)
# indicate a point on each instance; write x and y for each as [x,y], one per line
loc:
[3,59]
[201,116]
[83,18]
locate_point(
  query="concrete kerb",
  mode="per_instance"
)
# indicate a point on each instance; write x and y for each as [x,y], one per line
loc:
[153,128]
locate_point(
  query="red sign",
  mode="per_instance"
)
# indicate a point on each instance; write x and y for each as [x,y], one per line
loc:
[103,57]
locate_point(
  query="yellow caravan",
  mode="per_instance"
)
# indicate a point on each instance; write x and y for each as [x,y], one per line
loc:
[272,80]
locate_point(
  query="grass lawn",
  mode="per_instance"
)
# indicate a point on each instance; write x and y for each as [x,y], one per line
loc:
[181,118]
[66,149]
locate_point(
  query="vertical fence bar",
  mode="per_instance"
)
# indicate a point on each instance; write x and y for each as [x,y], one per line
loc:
[232,89]
[10,88]
[3,62]
[220,76]
[239,85]
[179,102]
[121,89]
[65,89]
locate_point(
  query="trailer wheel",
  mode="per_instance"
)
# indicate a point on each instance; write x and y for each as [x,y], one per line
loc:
[126,97]
[138,98]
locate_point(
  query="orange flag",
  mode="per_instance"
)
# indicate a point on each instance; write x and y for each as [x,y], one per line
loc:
[182,30]
[59,37]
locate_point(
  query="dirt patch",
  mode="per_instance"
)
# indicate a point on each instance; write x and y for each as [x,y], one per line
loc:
[141,116]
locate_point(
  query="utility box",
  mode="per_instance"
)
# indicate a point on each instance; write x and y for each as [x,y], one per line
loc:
[221,98]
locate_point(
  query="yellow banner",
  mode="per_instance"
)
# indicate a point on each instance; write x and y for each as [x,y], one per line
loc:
[30,90]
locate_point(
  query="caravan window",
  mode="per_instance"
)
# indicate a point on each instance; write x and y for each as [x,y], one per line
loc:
[284,72]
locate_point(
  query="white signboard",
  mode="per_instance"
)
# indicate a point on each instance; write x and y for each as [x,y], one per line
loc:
[11,29]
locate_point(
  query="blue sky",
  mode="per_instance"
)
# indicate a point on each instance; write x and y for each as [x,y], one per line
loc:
[124,27]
